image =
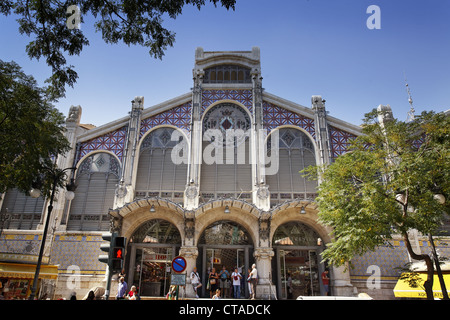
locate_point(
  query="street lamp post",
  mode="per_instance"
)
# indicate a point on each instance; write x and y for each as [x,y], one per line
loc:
[56,176]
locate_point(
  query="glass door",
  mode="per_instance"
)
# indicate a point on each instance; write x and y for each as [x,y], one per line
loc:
[299,273]
[152,271]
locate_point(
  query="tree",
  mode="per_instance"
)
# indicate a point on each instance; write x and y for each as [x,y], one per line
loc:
[134,22]
[386,184]
[31,131]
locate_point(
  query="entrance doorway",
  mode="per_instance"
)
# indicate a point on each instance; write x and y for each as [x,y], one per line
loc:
[298,273]
[297,267]
[151,274]
[151,250]
[224,244]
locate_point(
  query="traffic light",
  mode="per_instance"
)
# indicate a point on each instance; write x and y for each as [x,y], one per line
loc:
[118,254]
[106,247]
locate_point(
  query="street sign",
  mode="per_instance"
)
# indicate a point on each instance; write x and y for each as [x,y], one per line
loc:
[178,264]
[178,279]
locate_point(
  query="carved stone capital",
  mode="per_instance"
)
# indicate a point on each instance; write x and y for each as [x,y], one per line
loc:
[189,252]
[263,253]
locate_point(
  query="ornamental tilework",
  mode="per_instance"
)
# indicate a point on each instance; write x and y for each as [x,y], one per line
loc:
[442,247]
[275,116]
[388,259]
[179,117]
[76,250]
[20,243]
[113,141]
[243,96]
[339,141]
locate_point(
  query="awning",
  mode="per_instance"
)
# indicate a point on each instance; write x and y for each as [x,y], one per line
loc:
[27,271]
[404,290]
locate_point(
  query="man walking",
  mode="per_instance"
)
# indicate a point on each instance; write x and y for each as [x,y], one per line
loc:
[122,289]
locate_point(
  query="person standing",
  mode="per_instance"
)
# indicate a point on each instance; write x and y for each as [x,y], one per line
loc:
[224,285]
[253,280]
[289,286]
[326,282]
[249,271]
[195,281]
[122,289]
[213,278]
[236,277]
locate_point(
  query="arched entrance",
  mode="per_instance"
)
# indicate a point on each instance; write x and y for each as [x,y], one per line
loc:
[152,248]
[224,243]
[297,267]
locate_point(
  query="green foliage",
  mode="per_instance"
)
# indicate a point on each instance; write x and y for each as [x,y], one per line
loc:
[31,130]
[359,192]
[134,22]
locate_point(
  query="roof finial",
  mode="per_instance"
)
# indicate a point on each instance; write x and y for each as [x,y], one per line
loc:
[410,116]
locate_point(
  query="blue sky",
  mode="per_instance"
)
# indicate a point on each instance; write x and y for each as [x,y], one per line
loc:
[308,47]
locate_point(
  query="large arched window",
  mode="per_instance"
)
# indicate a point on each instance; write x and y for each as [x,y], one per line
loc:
[157,173]
[226,168]
[97,178]
[295,152]
[20,211]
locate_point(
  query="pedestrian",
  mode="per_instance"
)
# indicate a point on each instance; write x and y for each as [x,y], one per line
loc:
[289,286]
[122,289]
[217,295]
[253,280]
[195,281]
[326,282]
[133,294]
[248,283]
[224,284]
[73,296]
[91,295]
[236,277]
[213,278]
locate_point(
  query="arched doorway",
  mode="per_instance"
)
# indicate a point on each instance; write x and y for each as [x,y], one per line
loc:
[297,267]
[224,243]
[152,248]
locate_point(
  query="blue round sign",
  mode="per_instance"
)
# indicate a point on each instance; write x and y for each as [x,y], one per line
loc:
[178,264]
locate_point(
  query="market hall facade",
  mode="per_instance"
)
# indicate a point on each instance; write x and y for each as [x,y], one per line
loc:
[212,175]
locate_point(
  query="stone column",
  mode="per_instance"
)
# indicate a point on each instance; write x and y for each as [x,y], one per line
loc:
[65,161]
[190,254]
[261,194]
[191,194]
[321,127]
[340,283]
[264,288]
[125,190]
